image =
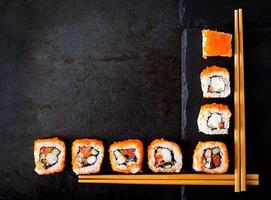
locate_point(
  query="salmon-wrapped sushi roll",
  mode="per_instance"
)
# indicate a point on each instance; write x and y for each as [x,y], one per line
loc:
[211,157]
[49,155]
[216,43]
[126,156]
[214,119]
[215,82]
[164,156]
[87,156]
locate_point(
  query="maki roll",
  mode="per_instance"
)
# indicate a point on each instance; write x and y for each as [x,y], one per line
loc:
[126,156]
[216,43]
[87,156]
[49,155]
[211,157]
[215,82]
[214,119]
[164,156]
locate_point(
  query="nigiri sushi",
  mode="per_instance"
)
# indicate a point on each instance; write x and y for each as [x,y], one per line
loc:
[216,43]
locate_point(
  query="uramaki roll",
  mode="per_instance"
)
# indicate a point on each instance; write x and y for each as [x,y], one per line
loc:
[164,156]
[214,119]
[211,157]
[87,156]
[215,82]
[126,156]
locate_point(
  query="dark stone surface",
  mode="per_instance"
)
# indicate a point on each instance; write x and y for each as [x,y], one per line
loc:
[75,69]
[202,13]
[111,70]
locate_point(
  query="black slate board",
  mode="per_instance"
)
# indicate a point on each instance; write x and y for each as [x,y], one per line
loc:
[196,15]
[111,70]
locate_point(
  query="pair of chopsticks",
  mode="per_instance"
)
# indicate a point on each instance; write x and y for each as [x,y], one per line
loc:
[239,104]
[171,179]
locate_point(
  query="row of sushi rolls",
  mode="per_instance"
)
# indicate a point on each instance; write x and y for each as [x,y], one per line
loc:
[163,156]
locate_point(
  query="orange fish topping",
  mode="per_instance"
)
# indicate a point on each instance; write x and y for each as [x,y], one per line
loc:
[216,43]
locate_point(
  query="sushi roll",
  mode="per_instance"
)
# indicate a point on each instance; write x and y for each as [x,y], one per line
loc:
[164,156]
[215,82]
[87,156]
[214,119]
[126,156]
[49,155]
[211,157]
[216,43]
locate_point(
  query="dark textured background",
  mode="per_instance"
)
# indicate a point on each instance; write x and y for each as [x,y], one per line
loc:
[112,70]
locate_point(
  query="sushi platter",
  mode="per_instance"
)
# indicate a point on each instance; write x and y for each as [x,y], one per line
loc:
[219,98]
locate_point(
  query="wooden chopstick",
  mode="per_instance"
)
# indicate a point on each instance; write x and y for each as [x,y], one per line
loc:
[168,176]
[180,179]
[237,160]
[159,182]
[242,103]
[166,182]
